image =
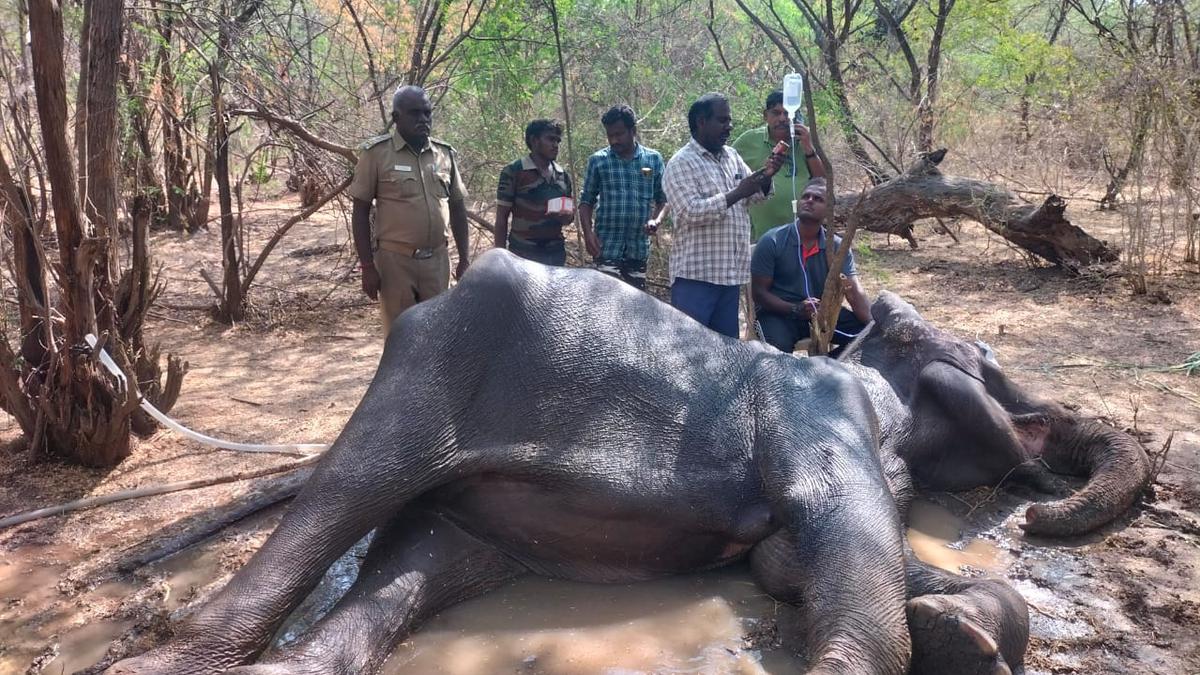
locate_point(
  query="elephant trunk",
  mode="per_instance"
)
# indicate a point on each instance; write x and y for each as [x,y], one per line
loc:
[1116,467]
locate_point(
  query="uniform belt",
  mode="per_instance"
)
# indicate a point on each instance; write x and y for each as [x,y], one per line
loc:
[420,253]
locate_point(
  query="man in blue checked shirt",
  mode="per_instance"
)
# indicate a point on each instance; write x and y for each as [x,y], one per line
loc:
[625,179]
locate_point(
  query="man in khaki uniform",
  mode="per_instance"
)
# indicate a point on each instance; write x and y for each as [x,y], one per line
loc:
[414,181]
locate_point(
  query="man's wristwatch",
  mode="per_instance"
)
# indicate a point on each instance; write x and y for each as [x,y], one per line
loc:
[809,155]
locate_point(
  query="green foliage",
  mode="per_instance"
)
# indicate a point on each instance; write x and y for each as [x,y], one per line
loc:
[306,59]
[648,55]
[260,173]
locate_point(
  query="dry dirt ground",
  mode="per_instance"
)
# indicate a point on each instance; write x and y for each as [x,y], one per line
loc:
[1124,599]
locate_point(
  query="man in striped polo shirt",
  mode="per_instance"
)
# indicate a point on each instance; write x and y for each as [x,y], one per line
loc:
[526,189]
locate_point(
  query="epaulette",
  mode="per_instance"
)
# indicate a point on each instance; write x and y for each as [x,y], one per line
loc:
[372,142]
[442,143]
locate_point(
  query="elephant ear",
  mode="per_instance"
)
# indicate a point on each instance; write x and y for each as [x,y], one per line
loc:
[1115,465]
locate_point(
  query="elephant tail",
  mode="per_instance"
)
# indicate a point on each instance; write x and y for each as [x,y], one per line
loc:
[1115,465]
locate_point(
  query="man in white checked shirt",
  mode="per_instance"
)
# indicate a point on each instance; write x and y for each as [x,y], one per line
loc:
[709,187]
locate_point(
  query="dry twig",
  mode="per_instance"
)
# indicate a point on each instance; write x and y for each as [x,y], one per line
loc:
[93,502]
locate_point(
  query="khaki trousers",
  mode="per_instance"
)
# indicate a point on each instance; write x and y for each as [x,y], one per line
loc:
[404,281]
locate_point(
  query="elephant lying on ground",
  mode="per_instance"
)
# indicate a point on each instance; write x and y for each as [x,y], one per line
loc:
[557,422]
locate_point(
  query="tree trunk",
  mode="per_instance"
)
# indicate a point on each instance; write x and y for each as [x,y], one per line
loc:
[923,191]
[28,264]
[1137,148]
[562,81]
[86,417]
[96,140]
[30,277]
[1026,105]
[875,172]
[926,115]
[820,328]
[174,157]
[135,294]
[303,179]
[431,20]
[372,71]
[200,177]
[147,201]
[232,303]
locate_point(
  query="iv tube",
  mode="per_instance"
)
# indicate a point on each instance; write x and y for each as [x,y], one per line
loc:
[793,97]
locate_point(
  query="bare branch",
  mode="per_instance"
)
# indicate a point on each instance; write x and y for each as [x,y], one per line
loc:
[371,70]
[287,225]
[297,129]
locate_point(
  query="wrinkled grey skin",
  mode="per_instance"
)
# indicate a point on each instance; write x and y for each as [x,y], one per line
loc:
[959,422]
[558,422]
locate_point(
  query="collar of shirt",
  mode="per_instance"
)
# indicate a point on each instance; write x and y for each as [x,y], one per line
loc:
[766,137]
[398,143]
[703,151]
[637,153]
[527,164]
[793,239]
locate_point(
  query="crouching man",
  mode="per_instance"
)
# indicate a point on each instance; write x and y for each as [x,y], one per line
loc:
[788,274]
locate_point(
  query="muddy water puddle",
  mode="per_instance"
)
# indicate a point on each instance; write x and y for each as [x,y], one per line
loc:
[935,535]
[693,624]
[38,623]
[696,624]
[62,634]
[716,622]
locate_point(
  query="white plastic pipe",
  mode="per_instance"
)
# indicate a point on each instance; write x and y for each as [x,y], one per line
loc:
[304,449]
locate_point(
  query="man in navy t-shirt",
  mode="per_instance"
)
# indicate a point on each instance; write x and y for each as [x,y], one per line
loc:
[788,274]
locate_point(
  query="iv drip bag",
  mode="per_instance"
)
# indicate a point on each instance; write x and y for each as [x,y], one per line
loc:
[793,93]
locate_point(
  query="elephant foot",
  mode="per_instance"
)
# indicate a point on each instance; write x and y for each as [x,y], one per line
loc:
[278,669]
[305,660]
[165,661]
[950,636]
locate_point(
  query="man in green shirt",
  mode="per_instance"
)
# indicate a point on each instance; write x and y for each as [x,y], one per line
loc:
[755,146]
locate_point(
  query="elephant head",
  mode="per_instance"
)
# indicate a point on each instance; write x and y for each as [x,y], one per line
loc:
[971,425]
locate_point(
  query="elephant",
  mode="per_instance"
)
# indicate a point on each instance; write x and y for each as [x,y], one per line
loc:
[537,420]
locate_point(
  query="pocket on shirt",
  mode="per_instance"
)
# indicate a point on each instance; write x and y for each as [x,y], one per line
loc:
[399,185]
[444,185]
[645,190]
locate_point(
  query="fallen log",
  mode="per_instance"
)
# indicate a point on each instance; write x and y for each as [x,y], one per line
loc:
[150,491]
[923,191]
[194,529]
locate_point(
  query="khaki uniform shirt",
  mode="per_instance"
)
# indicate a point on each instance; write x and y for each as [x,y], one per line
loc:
[412,191]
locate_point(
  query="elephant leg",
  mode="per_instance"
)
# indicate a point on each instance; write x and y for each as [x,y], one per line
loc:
[365,479]
[850,600]
[838,554]
[417,565]
[962,625]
